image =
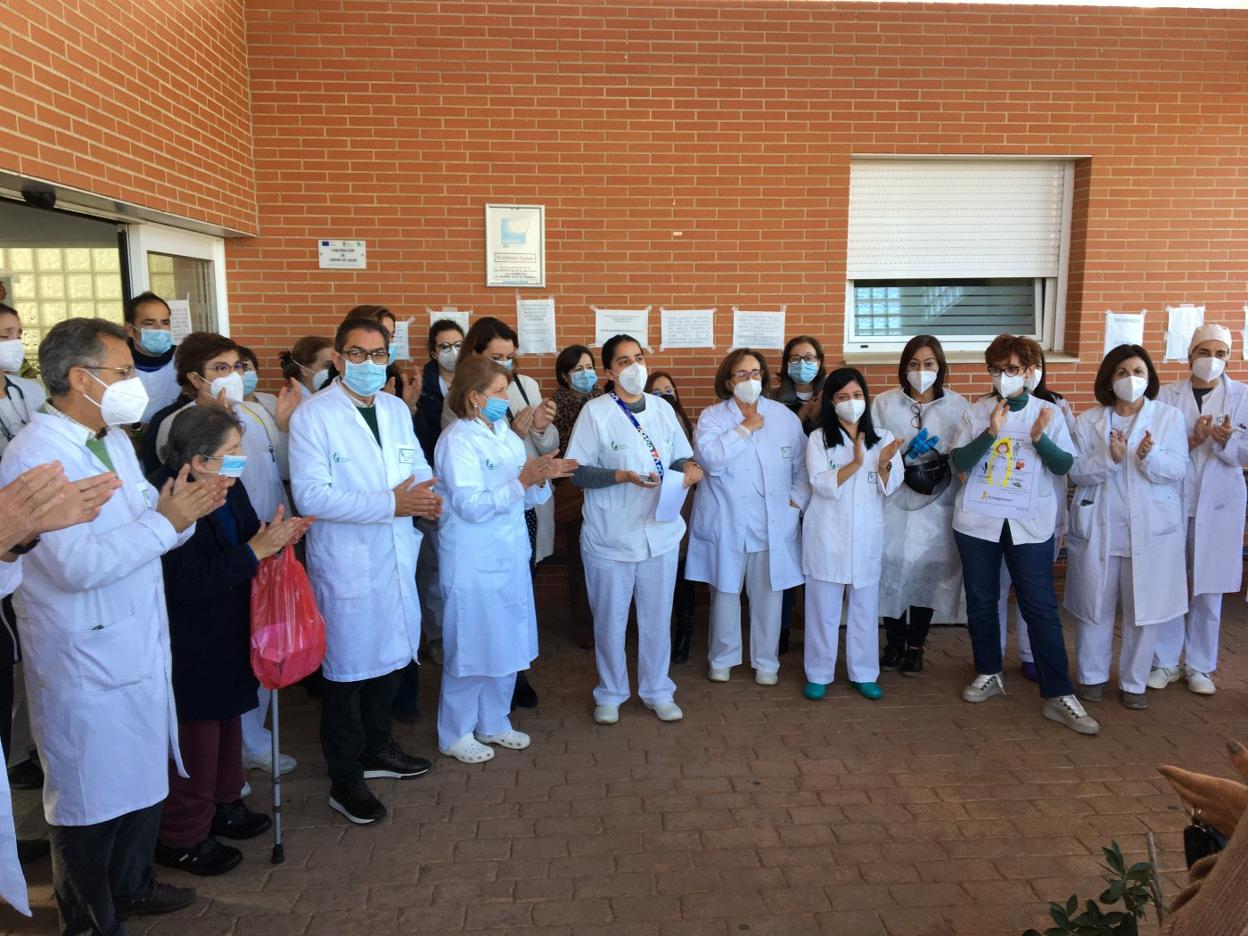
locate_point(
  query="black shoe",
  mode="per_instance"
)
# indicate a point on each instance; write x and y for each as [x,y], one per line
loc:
[31,850]
[784,642]
[235,821]
[524,696]
[159,898]
[890,659]
[393,763]
[405,716]
[912,665]
[680,645]
[356,802]
[207,859]
[28,775]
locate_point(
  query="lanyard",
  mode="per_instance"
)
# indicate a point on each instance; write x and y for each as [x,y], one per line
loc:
[250,412]
[654,452]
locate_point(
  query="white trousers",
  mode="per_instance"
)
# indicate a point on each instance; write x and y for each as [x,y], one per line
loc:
[256,738]
[469,704]
[1021,636]
[1095,639]
[823,625]
[612,586]
[725,645]
[1195,635]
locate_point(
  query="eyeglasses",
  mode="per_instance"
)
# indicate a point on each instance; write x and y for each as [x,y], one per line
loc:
[1010,371]
[221,368]
[449,345]
[916,415]
[805,359]
[359,355]
[755,374]
[126,372]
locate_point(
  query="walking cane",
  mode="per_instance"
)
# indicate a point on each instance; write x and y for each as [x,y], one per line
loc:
[279,855]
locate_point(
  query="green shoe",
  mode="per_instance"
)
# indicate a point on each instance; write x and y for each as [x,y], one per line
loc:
[868,690]
[815,691]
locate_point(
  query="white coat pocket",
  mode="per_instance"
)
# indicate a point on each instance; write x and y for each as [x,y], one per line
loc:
[109,656]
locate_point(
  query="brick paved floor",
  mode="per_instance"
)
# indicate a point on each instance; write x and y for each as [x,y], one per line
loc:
[760,814]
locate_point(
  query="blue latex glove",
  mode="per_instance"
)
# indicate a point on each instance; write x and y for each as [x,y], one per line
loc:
[921,444]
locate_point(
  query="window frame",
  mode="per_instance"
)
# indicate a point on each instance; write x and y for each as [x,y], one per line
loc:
[148,237]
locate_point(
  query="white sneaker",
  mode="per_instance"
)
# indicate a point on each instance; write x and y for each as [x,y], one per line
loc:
[263,760]
[983,688]
[766,679]
[717,674]
[1199,683]
[245,791]
[512,739]
[1067,710]
[1161,676]
[667,711]
[606,714]
[469,750]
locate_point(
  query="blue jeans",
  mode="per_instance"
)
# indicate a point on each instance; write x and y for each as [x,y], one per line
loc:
[1031,568]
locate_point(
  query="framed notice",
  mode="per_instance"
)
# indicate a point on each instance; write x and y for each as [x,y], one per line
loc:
[515,245]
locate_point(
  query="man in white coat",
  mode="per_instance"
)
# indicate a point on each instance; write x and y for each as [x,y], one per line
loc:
[91,616]
[1215,411]
[356,466]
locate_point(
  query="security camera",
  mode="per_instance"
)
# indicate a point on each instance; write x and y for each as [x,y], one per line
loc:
[39,196]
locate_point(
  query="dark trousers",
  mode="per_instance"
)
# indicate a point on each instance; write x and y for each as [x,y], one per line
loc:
[355,723]
[684,601]
[407,696]
[578,596]
[909,630]
[93,864]
[212,752]
[1031,568]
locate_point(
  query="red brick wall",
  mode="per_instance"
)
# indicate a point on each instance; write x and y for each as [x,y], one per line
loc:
[145,101]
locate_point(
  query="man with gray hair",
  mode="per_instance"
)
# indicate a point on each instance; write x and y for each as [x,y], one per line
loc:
[91,615]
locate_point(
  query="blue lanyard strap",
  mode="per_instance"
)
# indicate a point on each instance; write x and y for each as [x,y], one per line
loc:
[654,452]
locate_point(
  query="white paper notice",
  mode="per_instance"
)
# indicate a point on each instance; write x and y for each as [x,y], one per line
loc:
[611,322]
[341,255]
[1123,328]
[535,321]
[180,318]
[1183,320]
[402,341]
[672,494]
[455,314]
[1243,335]
[686,328]
[758,329]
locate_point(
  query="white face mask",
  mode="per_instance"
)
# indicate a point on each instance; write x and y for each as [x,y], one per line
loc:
[633,378]
[448,359]
[748,391]
[1130,388]
[232,385]
[319,378]
[1008,386]
[12,353]
[851,411]
[1033,381]
[123,403]
[1208,368]
[921,380]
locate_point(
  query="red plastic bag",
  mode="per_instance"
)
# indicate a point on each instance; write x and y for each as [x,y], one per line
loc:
[287,630]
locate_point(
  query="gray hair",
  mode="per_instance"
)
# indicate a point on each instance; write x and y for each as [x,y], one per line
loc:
[196,430]
[75,342]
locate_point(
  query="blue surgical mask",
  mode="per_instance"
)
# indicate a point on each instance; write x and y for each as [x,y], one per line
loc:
[232,466]
[365,379]
[495,409]
[394,351]
[506,363]
[155,341]
[803,372]
[250,381]
[584,380]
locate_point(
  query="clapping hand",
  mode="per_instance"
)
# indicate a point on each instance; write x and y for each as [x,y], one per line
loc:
[1117,446]
[1041,423]
[996,422]
[281,532]
[288,399]
[543,415]
[522,422]
[1216,801]
[1221,432]
[183,501]
[1145,446]
[887,453]
[417,500]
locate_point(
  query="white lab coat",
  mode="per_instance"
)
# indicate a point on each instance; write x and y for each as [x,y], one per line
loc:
[1214,491]
[161,386]
[1042,521]
[95,636]
[21,400]
[361,557]
[12,880]
[489,625]
[618,521]
[920,554]
[843,533]
[1157,528]
[717,533]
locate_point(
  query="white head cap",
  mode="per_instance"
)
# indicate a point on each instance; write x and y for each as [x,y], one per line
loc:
[1210,333]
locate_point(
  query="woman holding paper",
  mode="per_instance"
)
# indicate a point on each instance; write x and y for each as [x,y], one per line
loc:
[745,517]
[852,467]
[1127,537]
[1009,447]
[628,443]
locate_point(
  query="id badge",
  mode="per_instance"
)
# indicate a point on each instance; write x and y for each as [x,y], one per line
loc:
[871,477]
[407,455]
[148,493]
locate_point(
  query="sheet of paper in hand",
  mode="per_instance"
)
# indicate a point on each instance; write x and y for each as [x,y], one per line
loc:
[1003,484]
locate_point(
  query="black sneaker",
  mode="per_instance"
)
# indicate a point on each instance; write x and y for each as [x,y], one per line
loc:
[356,802]
[158,898]
[890,659]
[28,775]
[912,664]
[393,763]
[207,859]
[525,695]
[235,821]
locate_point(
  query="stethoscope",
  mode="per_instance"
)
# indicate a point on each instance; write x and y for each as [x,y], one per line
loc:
[9,387]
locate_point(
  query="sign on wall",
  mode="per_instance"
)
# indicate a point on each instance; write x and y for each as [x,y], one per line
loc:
[341,255]
[515,245]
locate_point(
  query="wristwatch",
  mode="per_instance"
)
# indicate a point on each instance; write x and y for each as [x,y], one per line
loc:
[23,548]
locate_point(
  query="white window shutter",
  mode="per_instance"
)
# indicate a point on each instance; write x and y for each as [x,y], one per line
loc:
[937,218]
